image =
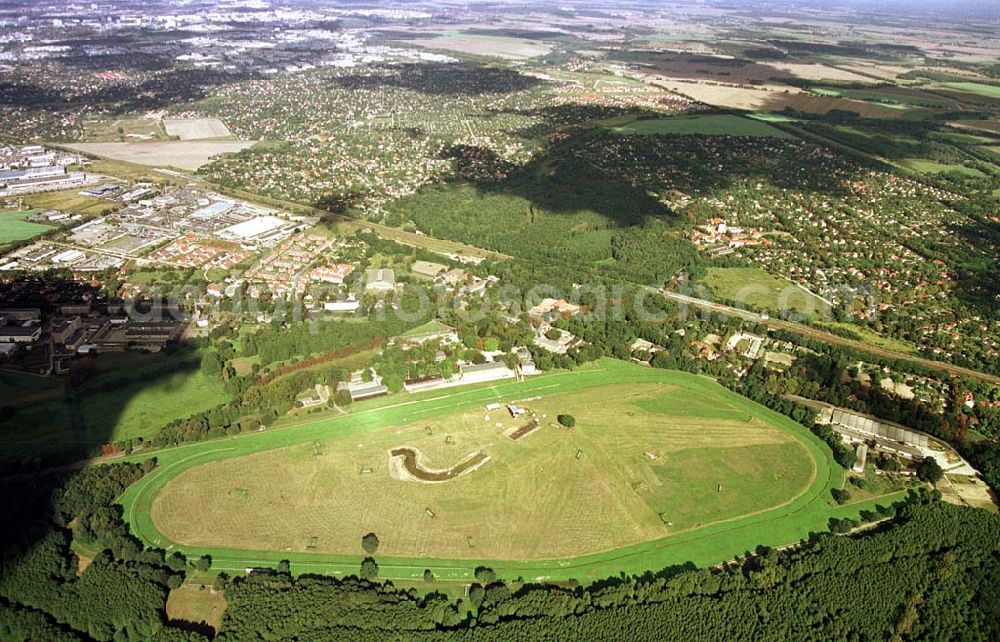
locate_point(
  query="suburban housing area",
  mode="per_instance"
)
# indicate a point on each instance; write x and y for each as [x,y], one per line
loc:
[487,321]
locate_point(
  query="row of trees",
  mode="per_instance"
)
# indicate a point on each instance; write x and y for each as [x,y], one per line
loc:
[926,576]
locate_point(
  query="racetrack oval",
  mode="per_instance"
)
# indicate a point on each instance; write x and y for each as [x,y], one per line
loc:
[645,461]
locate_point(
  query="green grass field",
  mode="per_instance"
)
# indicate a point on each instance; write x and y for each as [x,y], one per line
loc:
[897,97]
[709,526]
[992,91]
[637,462]
[772,118]
[13,227]
[69,200]
[964,139]
[712,125]
[755,287]
[872,338]
[431,326]
[43,424]
[23,390]
[140,409]
[925,166]
[113,365]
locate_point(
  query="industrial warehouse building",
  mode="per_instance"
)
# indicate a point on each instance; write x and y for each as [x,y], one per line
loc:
[491,371]
[860,423]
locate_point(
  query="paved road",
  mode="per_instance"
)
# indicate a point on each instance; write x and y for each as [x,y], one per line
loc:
[828,337]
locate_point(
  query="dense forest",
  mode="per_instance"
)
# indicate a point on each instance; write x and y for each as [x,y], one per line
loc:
[563,210]
[905,581]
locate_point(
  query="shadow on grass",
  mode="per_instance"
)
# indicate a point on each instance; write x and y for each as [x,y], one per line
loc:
[46,488]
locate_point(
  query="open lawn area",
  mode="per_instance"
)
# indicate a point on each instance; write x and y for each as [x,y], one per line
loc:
[657,471]
[45,423]
[244,365]
[431,326]
[196,603]
[13,227]
[635,455]
[22,389]
[69,200]
[871,337]
[755,287]
[140,409]
[925,166]
[713,125]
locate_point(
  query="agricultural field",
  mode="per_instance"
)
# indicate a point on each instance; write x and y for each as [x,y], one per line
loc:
[727,69]
[14,227]
[989,126]
[712,125]
[900,96]
[772,118]
[991,91]
[780,97]
[814,71]
[669,457]
[182,154]
[756,288]
[483,45]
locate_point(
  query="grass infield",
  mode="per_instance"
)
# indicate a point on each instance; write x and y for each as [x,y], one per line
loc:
[779,516]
